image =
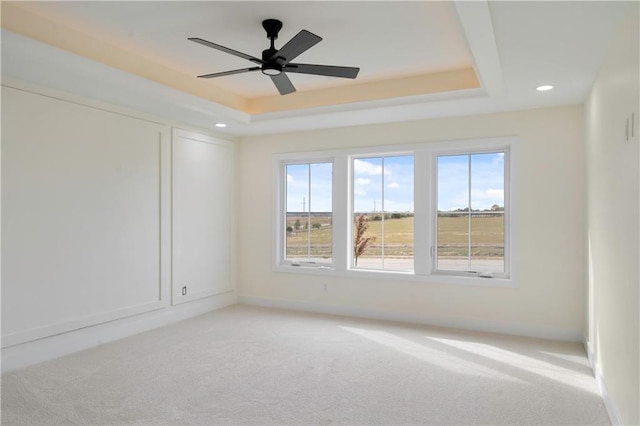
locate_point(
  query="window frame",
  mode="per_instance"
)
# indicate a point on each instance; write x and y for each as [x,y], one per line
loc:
[352,158]
[425,202]
[465,150]
[281,216]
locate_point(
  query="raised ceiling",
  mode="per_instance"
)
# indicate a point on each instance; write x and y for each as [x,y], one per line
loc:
[418,58]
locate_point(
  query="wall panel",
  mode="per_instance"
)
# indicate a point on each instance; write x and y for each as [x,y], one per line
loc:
[81,215]
[202,220]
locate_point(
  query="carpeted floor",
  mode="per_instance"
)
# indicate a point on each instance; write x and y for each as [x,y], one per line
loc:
[248,365]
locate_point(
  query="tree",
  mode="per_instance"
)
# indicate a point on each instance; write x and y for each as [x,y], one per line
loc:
[289,229]
[316,225]
[361,242]
[297,224]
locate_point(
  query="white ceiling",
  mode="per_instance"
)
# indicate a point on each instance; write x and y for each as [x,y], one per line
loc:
[514,46]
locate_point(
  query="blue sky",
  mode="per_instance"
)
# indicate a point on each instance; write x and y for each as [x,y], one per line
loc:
[299,176]
[487,181]
[394,176]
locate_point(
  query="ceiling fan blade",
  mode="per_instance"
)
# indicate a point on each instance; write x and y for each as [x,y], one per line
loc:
[294,47]
[283,84]
[221,74]
[226,50]
[328,70]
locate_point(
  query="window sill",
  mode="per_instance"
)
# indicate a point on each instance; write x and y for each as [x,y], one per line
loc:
[396,275]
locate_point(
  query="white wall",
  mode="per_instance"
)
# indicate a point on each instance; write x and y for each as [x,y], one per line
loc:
[550,265]
[613,225]
[87,207]
[202,216]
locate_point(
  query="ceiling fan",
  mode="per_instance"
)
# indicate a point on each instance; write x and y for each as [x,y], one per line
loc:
[276,63]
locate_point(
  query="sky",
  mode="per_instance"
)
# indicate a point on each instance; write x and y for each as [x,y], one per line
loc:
[387,182]
[487,181]
[388,176]
[301,177]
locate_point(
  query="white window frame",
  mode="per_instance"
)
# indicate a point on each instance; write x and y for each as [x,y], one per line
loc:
[425,203]
[352,158]
[463,149]
[281,209]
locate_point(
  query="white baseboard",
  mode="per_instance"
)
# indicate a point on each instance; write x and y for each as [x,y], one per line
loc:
[30,335]
[614,417]
[491,326]
[36,351]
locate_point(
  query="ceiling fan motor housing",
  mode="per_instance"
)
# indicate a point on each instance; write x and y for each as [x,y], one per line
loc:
[271,68]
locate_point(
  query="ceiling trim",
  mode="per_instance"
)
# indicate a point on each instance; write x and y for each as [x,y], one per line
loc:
[424,84]
[24,58]
[475,19]
[37,27]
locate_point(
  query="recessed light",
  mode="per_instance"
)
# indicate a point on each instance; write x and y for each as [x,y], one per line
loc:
[221,125]
[544,88]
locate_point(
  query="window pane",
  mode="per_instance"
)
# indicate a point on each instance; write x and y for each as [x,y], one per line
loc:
[297,205]
[320,210]
[453,242]
[487,181]
[398,207]
[383,198]
[309,213]
[367,202]
[453,183]
[453,213]
[487,221]
[487,242]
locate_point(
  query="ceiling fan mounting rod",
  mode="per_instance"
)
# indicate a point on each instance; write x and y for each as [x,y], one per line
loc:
[272,27]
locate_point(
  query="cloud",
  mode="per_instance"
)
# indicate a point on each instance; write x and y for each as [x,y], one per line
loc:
[488,194]
[363,181]
[364,167]
[495,193]
[289,178]
[393,185]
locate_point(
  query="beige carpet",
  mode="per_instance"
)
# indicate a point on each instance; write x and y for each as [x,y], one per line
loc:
[247,365]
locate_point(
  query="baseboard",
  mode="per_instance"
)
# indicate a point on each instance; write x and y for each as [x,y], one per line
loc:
[26,354]
[490,326]
[77,323]
[614,417]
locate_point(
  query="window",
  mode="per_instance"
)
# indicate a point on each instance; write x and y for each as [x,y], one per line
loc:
[470,217]
[436,212]
[383,212]
[308,201]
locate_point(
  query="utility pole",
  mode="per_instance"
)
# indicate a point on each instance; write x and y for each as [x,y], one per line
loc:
[374,205]
[304,204]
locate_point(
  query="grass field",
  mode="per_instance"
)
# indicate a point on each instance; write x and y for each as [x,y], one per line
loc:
[487,237]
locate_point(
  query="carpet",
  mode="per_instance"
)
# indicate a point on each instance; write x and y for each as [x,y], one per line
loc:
[249,365]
